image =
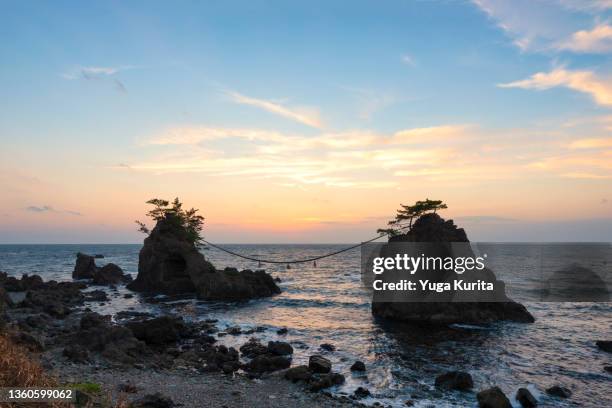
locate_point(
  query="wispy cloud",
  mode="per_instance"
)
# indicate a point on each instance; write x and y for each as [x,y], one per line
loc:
[582,81]
[597,40]
[49,209]
[106,73]
[304,115]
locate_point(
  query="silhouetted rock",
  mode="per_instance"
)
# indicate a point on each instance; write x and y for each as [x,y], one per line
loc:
[170,263]
[525,398]
[559,391]
[156,400]
[493,398]
[282,331]
[268,362]
[327,347]
[455,380]
[85,267]
[253,348]
[298,373]
[605,345]
[608,369]
[358,366]
[436,237]
[109,274]
[319,364]
[76,353]
[361,392]
[321,381]
[279,348]
[160,330]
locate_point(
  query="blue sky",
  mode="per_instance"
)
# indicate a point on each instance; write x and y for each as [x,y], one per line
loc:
[133,99]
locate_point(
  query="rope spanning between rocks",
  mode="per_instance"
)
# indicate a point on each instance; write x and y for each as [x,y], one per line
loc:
[295,261]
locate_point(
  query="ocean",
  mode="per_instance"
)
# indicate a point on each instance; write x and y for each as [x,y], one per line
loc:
[329,304]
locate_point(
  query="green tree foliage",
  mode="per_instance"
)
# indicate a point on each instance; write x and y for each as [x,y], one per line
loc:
[408,213]
[187,220]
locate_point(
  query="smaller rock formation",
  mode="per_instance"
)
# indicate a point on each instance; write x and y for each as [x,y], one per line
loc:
[604,345]
[170,263]
[358,366]
[109,274]
[559,391]
[526,398]
[455,380]
[493,398]
[85,267]
[319,364]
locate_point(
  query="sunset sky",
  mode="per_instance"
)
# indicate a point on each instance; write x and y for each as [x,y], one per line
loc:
[305,121]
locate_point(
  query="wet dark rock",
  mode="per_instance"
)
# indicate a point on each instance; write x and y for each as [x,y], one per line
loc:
[26,282]
[319,364]
[85,267]
[132,315]
[216,356]
[37,321]
[230,366]
[605,345]
[322,381]
[439,309]
[98,256]
[160,330]
[358,366]
[76,353]
[253,348]
[109,274]
[280,348]
[127,387]
[205,339]
[525,398]
[559,391]
[327,347]
[116,343]
[96,296]
[156,400]
[493,398]
[282,331]
[608,369]
[128,296]
[361,392]
[298,373]
[267,363]
[29,341]
[234,330]
[455,380]
[170,263]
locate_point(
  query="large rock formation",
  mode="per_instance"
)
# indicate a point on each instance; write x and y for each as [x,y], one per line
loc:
[169,263]
[438,236]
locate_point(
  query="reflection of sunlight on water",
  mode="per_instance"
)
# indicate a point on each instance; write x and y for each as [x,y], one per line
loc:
[328,304]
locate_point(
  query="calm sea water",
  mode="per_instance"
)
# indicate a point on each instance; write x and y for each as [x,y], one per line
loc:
[328,304]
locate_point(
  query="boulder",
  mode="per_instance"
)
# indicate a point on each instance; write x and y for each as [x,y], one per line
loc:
[267,363]
[435,236]
[321,381]
[279,348]
[361,392]
[298,373]
[109,274]
[217,356]
[327,347]
[160,330]
[605,345]
[253,348]
[76,353]
[559,391]
[493,398]
[156,400]
[455,380]
[608,369]
[526,398]
[170,263]
[319,364]
[358,366]
[85,267]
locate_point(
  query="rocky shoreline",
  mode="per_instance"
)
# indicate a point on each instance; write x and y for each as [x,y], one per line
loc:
[168,361]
